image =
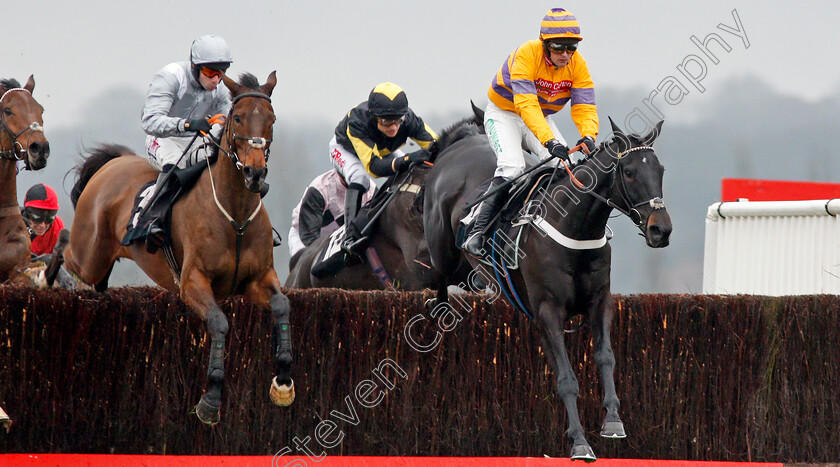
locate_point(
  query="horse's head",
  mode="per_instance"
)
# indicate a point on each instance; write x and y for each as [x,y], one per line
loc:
[638,183]
[21,125]
[249,127]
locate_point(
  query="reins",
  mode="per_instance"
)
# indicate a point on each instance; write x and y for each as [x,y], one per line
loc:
[655,202]
[17,151]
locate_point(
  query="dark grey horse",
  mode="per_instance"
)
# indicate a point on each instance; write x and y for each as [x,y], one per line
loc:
[397,237]
[564,265]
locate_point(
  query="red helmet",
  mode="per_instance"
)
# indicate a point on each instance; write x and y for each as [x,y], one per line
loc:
[41,196]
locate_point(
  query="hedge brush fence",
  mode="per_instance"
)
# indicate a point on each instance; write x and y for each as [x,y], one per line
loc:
[731,378]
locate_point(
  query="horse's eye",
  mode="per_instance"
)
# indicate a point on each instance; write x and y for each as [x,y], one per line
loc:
[237,119]
[7,111]
[628,173]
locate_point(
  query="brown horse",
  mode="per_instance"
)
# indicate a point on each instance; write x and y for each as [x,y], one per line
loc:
[221,234]
[21,139]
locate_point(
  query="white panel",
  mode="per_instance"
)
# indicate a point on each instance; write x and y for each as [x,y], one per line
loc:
[772,248]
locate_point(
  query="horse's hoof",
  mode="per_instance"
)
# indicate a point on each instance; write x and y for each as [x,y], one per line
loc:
[5,421]
[206,412]
[613,430]
[282,394]
[582,452]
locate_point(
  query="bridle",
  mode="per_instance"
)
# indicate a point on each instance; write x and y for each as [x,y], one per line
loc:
[18,151]
[254,142]
[631,212]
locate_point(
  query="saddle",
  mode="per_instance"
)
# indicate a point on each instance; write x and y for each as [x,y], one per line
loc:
[505,232]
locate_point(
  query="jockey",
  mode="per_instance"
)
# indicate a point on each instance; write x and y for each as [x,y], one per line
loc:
[179,102]
[40,213]
[321,210]
[535,81]
[367,141]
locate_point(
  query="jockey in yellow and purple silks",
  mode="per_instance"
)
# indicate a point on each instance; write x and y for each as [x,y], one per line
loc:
[538,79]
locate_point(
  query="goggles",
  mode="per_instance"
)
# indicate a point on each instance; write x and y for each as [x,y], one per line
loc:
[386,122]
[211,73]
[559,47]
[38,218]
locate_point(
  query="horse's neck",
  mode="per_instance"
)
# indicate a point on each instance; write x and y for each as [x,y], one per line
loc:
[8,189]
[586,216]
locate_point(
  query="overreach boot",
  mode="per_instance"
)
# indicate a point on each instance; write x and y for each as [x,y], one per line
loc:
[486,211]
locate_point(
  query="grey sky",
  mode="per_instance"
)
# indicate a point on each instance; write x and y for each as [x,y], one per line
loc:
[330,54]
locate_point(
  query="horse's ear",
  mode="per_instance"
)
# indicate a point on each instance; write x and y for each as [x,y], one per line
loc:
[615,128]
[30,84]
[479,114]
[269,83]
[648,139]
[233,86]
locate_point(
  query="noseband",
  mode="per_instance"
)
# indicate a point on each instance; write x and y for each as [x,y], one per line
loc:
[18,151]
[254,142]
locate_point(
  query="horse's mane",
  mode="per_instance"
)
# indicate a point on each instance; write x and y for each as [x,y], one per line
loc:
[455,133]
[9,83]
[249,81]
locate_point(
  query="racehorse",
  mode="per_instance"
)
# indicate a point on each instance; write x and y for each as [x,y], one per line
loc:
[21,139]
[564,265]
[220,231]
[397,239]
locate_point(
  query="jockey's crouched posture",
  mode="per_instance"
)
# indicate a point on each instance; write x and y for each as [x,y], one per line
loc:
[367,141]
[320,210]
[180,101]
[535,81]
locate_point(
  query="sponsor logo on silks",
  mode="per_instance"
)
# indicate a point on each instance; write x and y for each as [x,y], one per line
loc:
[494,138]
[152,149]
[551,88]
[337,156]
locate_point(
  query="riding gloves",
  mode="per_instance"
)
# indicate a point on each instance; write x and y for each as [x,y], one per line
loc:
[557,149]
[588,145]
[416,157]
[199,124]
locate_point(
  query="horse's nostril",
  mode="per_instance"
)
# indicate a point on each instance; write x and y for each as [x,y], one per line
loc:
[39,150]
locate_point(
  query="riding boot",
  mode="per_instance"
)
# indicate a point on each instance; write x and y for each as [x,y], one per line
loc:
[487,210]
[352,205]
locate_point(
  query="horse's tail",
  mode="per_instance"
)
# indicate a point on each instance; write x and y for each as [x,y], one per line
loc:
[97,157]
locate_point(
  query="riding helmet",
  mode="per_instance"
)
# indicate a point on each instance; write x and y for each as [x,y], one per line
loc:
[559,24]
[211,51]
[41,196]
[387,100]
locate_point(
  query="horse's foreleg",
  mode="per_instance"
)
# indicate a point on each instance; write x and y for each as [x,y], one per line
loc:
[58,257]
[267,292]
[198,295]
[551,326]
[282,387]
[605,361]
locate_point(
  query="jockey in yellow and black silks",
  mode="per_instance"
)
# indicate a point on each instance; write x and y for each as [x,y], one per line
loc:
[367,143]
